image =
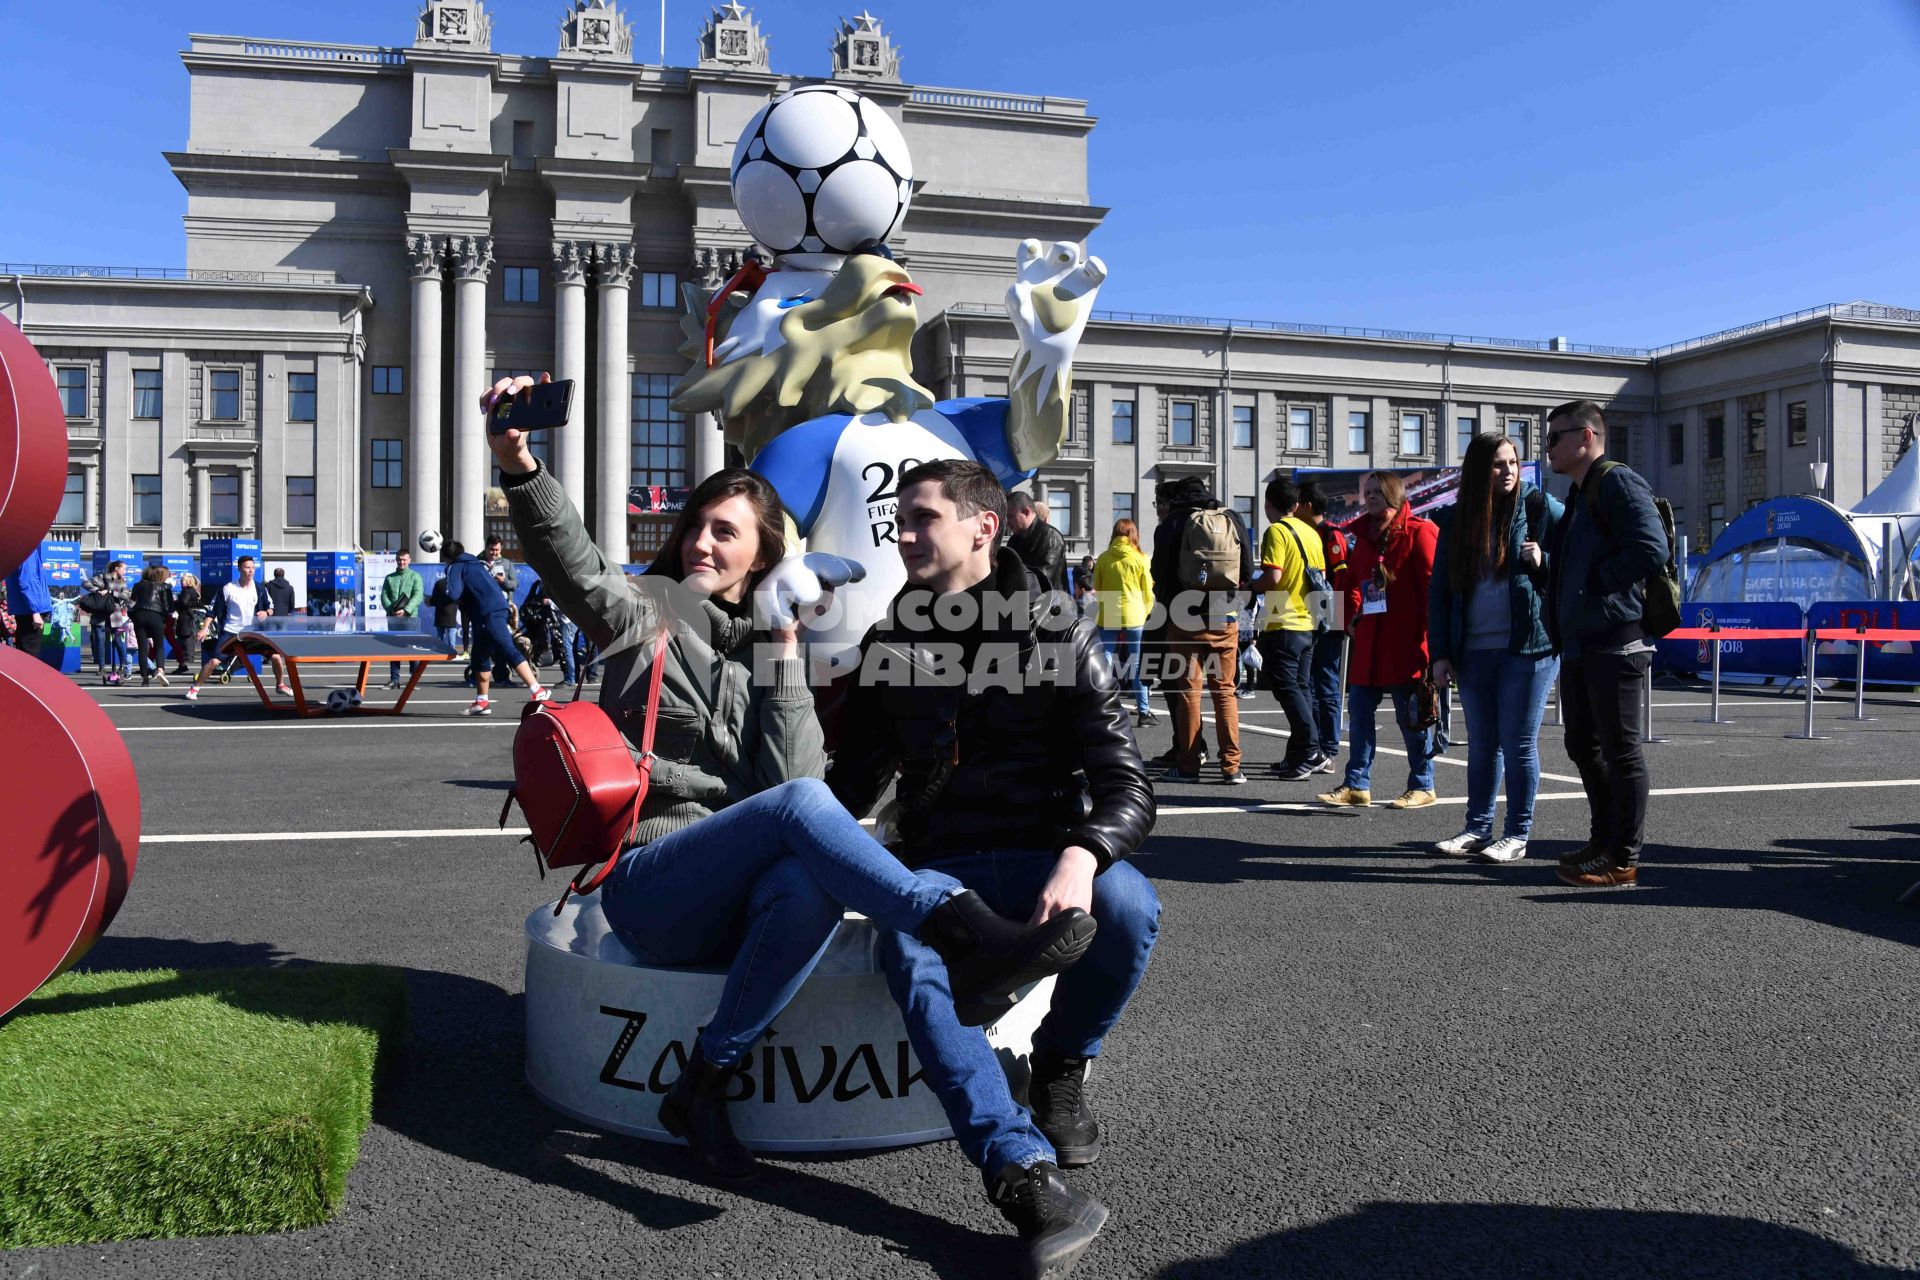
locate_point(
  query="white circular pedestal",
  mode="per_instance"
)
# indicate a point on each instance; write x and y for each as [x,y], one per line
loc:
[607,1035]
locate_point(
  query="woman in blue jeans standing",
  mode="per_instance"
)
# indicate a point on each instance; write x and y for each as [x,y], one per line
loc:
[1487,634]
[741,856]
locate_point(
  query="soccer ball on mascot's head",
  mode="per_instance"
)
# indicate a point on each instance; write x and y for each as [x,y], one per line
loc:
[821,171]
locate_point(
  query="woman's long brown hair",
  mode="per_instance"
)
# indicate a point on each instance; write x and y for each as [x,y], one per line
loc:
[1482,517]
[729,482]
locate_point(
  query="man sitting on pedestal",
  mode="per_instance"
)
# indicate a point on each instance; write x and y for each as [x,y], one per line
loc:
[1018,778]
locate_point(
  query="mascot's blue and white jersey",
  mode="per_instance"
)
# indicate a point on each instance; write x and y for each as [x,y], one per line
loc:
[838,476]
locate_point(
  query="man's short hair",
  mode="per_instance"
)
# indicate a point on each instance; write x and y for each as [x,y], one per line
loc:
[279,573]
[970,487]
[455,550]
[242,560]
[1581,413]
[1316,501]
[1020,501]
[1282,495]
[496,542]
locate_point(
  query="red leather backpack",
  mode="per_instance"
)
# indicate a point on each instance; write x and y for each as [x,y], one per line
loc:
[578,784]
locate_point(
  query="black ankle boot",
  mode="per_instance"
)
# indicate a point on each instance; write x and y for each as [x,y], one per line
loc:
[989,956]
[1056,1222]
[695,1108]
[1057,1097]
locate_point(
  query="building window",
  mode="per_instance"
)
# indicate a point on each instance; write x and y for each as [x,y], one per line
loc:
[300,503]
[302,396]
[1243,507]
[1300,429]
[660,147]
[1676,443]
[1716,520]
[385,540]
[1465,428]
[1122,507]
[1520,431]
[1182,436]
[1620,443]
[224,399]
[1359,428]
[73,390]
[1060,505]
[146,500]
[523,139]
[1756,431]
[1716,440]
[389,380]
[659,289]
[1123,422]
[1797,423]
[389,463]
[659,435]
[225,488]
[1413,435]
[146,393]
[1243,426]
[73,499]
[522,284]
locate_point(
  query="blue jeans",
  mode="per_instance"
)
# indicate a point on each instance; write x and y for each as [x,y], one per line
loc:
[1362,702]
[1327,651]
[762,884]
[567,633]
[1087,999]
[1503,695]
[1123,649]
[450,637]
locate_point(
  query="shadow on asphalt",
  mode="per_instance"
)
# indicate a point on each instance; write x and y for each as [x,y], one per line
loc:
[459,1088]
[1396,1239]
[1852,884]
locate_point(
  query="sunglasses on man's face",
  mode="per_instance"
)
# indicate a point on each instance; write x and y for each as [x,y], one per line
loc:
[1553,437]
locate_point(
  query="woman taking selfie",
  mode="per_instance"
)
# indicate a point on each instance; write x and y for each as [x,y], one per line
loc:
[1487,633]
[742,855]
[1386,599]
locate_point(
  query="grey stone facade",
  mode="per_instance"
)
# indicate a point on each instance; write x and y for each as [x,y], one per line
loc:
[390,228]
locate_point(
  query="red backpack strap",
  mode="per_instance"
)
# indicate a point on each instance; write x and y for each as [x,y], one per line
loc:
[589,878]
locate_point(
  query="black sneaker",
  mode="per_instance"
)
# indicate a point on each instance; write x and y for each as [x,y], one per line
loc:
[1177,774]
[1058,1099]
[1056,1222]
[1293,772]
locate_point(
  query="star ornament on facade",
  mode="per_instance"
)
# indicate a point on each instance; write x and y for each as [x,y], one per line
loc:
[867,21]
[734,10]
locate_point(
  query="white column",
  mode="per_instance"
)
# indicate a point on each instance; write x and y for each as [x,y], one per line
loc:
[616,401]
[425,255]
[570,361]
[472,263]
[709,446]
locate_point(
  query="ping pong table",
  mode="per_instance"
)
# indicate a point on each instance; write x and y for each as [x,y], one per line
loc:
[306,643]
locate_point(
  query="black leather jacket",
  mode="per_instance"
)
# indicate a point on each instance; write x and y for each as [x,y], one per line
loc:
[1044,551]
[1019,760]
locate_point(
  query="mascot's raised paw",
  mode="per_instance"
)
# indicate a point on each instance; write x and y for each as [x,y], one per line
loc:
[1049,301]
[800,581]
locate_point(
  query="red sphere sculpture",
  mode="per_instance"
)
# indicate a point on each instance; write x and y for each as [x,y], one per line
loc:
[72,802]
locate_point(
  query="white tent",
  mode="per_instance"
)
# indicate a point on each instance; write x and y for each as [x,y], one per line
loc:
[1889,520]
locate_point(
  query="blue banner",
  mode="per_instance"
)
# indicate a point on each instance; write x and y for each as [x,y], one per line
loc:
[333,583]
[1748,657]
[1888,662]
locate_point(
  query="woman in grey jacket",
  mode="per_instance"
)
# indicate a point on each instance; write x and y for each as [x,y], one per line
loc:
[742,855]
[1487,633]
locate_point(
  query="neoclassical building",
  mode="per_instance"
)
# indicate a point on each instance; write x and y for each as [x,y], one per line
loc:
[375,233]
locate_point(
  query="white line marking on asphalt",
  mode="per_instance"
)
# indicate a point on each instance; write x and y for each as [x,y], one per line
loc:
[1299,806]
[261,837]
[148,704]
[348,722]
[1281,733]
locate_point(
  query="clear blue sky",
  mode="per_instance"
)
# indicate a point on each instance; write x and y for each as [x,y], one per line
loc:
[1627,172]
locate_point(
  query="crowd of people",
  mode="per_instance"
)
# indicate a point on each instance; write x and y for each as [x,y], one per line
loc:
[1492,597]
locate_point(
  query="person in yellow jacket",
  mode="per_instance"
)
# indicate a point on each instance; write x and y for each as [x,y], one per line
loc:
[1123,582]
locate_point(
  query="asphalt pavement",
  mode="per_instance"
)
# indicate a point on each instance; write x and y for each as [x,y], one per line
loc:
[1349,1057]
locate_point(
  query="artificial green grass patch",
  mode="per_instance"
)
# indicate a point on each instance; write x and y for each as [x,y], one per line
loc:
[202,1102]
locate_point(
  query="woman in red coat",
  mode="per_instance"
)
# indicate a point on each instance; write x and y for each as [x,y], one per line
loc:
[1386,600]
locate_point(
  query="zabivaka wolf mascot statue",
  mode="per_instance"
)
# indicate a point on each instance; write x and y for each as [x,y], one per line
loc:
[807,361]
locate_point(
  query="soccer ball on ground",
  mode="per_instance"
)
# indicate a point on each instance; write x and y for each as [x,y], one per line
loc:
[821,170]
[341,701]
[430,541]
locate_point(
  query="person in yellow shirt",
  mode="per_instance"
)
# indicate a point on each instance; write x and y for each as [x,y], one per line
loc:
[1289,549]
[1123,582]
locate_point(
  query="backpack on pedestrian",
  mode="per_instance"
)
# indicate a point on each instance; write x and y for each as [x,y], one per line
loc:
[1210,550]
[1660,608]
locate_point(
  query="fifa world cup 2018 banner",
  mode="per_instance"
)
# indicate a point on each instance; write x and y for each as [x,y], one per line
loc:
[1428,488]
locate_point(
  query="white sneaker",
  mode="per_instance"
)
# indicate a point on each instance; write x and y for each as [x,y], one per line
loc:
[1464,845]
[479,708]
[193,693]
[1505,849]
[542,694]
